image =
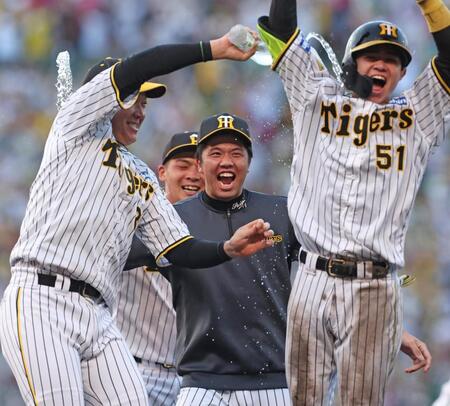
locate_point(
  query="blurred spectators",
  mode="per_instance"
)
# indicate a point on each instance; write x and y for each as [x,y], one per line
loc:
[32,32]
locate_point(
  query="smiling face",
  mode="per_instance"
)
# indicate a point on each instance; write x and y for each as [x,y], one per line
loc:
[126,123]
[225,166]
[181,177]
[383,64]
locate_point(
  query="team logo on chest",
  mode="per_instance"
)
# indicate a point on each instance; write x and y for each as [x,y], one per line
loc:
[136,183]
[359,126]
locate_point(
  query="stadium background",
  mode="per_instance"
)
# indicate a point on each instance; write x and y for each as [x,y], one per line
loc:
[32,32]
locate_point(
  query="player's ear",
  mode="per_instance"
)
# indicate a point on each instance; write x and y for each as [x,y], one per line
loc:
[403,72]
[162,173]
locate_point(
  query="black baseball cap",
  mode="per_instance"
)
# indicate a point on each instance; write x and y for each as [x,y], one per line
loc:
[150,89]
[225,124]
[181,142]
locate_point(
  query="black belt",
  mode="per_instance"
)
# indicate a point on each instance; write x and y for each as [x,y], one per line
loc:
[347,268]
[167,366]
[77,286]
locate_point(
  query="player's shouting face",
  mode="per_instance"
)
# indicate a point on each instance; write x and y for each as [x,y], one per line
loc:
[383,65]
[126,123]
[224,165]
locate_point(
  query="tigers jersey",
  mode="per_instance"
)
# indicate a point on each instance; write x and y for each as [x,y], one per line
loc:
[90,196]
[367,159]
[146,316]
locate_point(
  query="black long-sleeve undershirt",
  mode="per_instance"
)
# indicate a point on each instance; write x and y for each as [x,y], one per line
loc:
[130,73]
[442,40]
[283,18]
[192,253]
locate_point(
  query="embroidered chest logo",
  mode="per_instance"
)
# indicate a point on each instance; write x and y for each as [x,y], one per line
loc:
[136,183]
[276,238]
[361,126]
[239,205]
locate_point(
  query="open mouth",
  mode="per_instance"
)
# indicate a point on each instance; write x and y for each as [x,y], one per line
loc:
[378,81]
[226,177]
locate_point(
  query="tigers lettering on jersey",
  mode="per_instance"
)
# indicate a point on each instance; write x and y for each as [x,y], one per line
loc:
[363,124]
[136,183]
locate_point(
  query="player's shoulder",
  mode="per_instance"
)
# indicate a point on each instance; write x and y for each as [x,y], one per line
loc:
[266,197]
[187,203]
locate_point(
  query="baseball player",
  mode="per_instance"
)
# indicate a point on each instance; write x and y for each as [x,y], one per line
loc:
[145,314]
[231,319]
[90,196]
[359,157]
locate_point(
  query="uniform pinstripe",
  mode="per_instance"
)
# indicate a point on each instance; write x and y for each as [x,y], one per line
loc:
[147,320]
[211,397]
[89,197]
[355,173]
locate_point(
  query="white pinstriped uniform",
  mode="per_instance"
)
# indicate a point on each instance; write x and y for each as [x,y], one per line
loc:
[147,320]
[212,397]
[352,192]
[87,200]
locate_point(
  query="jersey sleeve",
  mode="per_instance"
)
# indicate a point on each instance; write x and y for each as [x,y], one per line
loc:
[297,66]
[92,102]
[161,228]
[431,104]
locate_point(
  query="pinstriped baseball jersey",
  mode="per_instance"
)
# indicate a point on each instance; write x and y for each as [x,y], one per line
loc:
[89,197]
[367,159]
[146,316]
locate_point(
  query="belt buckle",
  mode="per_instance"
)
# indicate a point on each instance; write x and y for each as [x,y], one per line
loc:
[376,274]
[82,291]
[330,263]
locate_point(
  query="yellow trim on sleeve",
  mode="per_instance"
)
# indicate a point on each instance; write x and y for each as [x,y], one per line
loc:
[441,80]
[277,47]
[171,247]
[288,44]
[22,352]
[117,92]
[436,14]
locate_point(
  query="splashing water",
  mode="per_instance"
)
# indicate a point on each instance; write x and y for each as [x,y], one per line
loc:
[336,66]
[64,80]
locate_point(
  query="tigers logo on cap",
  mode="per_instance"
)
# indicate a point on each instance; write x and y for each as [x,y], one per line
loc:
[389,30]
[225,121]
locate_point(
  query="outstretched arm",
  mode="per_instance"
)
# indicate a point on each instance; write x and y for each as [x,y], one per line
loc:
[130,73]
[194,253]
[437,16]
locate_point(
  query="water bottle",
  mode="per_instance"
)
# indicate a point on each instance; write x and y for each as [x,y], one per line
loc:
[244,40]
[241,38]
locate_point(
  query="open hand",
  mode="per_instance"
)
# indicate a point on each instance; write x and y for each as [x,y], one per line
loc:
[417,351]
[248,239]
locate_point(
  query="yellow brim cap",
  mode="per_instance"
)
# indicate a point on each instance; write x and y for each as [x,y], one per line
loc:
[153,90]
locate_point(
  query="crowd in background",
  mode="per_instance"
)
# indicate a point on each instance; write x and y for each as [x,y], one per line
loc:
[32,32]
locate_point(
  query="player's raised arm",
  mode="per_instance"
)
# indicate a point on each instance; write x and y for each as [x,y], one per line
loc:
[437,16]
[130,73]
[279,27]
